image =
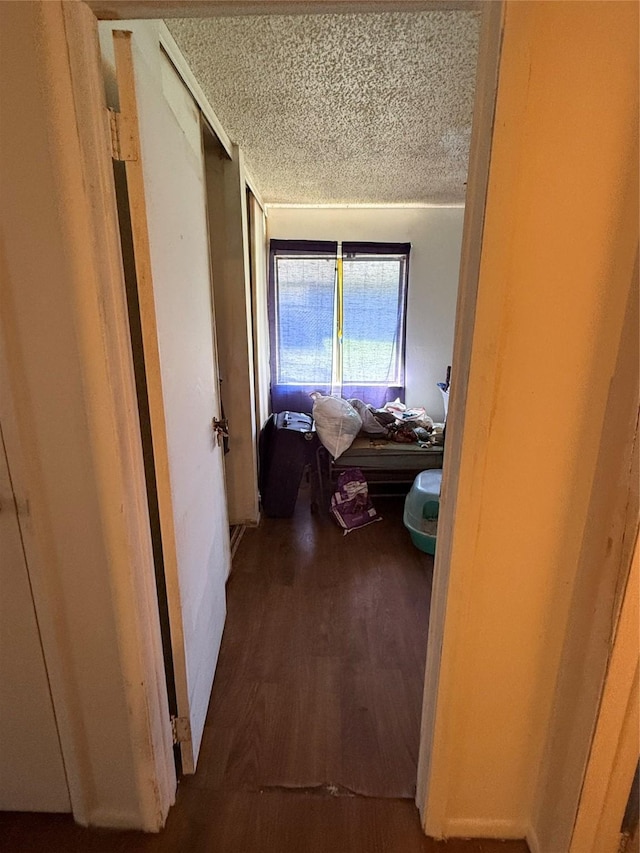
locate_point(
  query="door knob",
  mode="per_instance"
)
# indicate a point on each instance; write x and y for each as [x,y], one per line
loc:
[220,429]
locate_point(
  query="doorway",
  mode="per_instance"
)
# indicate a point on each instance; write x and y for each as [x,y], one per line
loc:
[228,252]
[529,24]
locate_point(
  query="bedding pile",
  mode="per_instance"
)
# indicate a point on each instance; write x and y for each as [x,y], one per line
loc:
[339,421]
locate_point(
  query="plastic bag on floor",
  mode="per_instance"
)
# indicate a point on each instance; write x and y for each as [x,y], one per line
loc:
[350,504]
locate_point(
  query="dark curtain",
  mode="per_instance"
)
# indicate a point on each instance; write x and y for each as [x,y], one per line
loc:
[304,319]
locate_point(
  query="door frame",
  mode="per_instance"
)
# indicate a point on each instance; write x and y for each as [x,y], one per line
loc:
[614,750]
[474,216]
[81,17]
[485,98]
[70,383]
[90,124]
[128,117]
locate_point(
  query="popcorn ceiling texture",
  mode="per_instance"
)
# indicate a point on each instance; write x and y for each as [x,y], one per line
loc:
[329,109]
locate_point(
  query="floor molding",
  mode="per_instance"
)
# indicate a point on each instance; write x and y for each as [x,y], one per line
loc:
[485,828]
[237,532]
[532,840]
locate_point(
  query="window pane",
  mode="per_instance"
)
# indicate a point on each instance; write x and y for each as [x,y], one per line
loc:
[304,319]
[371,299]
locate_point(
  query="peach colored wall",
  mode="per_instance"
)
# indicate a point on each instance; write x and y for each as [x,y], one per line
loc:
[64,326]
[557,258]
[32,776]
[558,251]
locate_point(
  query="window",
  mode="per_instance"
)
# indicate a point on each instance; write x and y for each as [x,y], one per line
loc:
[337,321]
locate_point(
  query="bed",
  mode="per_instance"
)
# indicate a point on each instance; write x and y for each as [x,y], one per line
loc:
[382,462]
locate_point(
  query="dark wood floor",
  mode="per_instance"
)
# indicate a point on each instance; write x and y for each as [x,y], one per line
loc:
[206,822]
[312,734]
[322,664]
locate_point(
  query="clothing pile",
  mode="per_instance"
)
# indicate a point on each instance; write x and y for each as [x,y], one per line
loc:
[395,422]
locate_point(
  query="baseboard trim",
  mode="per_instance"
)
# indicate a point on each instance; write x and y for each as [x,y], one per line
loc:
[478,828]
[237,532]
[532,840]
[105,818]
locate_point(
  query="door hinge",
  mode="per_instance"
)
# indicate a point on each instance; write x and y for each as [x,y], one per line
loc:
[123,141]
[180,729]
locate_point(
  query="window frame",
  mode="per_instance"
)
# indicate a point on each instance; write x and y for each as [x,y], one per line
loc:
[353,250]
[295,396]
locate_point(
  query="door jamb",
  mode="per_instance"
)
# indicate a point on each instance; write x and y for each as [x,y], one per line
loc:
[477,183]
[142,261]
[486,89]
[480,155]
[80,161]
[81,36]
[614,749]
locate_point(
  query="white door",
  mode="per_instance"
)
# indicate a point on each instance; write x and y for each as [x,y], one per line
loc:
[32,776]
[169,224]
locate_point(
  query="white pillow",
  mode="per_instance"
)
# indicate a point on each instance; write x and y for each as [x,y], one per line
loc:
[337,423]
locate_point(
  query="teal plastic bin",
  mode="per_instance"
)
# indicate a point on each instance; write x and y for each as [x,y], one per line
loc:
[421,510]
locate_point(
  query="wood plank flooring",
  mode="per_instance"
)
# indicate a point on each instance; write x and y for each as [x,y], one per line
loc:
[206,822]
[311,739]
[322,663]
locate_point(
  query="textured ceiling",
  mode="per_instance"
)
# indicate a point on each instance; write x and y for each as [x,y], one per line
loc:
[368,108]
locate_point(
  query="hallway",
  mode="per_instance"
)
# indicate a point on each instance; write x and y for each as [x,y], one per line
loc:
[320,675]
[312,733]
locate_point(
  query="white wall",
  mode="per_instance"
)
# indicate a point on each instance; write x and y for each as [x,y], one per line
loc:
[435,235]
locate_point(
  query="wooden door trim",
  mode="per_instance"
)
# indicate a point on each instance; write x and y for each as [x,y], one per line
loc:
[474,220]
[614,750]
[109,694]
[204,131]
[139,9]
[155,764]
[125,75]
[431,803]
[169,46]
